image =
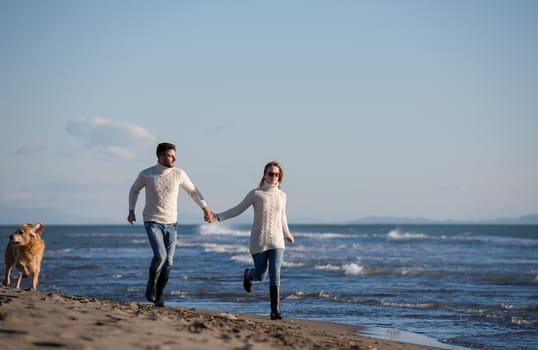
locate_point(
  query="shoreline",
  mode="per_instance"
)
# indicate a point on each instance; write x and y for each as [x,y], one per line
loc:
[30,320]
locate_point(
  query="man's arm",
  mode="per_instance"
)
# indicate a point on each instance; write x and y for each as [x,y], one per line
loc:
[133,197]
[196,196]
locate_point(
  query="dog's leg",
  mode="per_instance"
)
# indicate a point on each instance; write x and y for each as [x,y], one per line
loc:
[35,278]
[19,279]
[7,279]
[9,259]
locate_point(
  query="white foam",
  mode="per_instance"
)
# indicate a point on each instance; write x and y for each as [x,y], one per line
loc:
[138,241]
[296,296]
[179,293]
[292,264]
[221,229]
[396,234]
[348,269]
[425,306]
[224,248]
[520,321]
[324,294]
[244,259]
[321,235]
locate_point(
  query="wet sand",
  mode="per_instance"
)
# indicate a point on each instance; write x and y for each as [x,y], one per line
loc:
[38,320]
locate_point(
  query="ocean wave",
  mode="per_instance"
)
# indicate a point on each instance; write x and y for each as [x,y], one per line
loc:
[522,321]
[326,295]
[420,306]
[243,259]
[183,244]
[295,296]
[466,237]
[103,234]
[467,310]
[378,271]
[300,295]
[397,235]
[63,251]
[414,272]
[138,241]
[348,269]
[292,264]
[314,295]
[355,269]
[247,259]
[179,293]
[527,242]
[502,313]
[329,235]
[507,279]
[224,248]
[526,308]
[221,229]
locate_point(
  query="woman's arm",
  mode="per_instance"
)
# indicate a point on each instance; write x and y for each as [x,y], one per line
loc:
[238,209]
[285,227]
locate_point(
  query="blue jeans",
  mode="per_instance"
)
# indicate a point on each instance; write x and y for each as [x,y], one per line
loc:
[259,272]
[162,238]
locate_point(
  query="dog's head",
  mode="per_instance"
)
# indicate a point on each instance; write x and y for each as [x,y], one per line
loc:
[26,233]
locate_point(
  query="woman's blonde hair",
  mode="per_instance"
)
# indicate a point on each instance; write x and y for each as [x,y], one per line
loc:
[266,168]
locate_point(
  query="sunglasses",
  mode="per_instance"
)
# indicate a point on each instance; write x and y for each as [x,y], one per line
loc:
[273,174]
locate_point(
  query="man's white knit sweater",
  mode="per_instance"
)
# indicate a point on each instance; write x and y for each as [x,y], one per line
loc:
[270,221]
[162,190]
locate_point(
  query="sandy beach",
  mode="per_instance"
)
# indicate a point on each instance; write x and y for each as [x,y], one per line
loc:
[37,320]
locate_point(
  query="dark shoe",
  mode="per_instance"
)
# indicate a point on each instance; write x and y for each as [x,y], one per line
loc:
[159,301]
[151,286]
[247,282]
[275,316]
[274,293]
[159,298]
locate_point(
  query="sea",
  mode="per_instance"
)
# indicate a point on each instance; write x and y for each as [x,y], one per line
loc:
[450,286]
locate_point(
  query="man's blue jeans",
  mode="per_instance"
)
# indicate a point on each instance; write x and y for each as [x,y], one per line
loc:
[162,238]
[274,257]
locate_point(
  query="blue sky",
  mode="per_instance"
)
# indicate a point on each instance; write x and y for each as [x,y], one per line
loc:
[374,108]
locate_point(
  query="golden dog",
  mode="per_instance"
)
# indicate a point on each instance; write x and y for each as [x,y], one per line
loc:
[25,250]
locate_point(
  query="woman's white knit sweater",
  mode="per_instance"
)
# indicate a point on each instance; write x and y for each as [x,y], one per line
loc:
[270,223]
[162,190]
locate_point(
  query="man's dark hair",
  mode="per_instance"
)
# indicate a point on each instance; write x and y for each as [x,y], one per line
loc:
[162,148]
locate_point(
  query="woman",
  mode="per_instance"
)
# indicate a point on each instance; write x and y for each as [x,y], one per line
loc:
[269,228]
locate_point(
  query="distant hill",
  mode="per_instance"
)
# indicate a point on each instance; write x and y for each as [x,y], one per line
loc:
[525,219]
[392,220]
[529,219]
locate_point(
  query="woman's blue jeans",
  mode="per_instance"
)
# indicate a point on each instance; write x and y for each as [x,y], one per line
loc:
[162,238]
[273,258]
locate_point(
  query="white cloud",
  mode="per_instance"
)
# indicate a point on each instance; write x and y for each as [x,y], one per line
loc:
[111,137]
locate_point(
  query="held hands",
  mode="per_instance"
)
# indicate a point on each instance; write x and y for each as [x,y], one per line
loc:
[209,216]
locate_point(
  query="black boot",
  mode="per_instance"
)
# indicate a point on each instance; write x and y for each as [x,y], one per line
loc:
[247,282]
[274,293]
[151,286]
[159,298]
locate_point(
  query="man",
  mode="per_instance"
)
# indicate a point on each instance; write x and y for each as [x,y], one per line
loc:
[162,182]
